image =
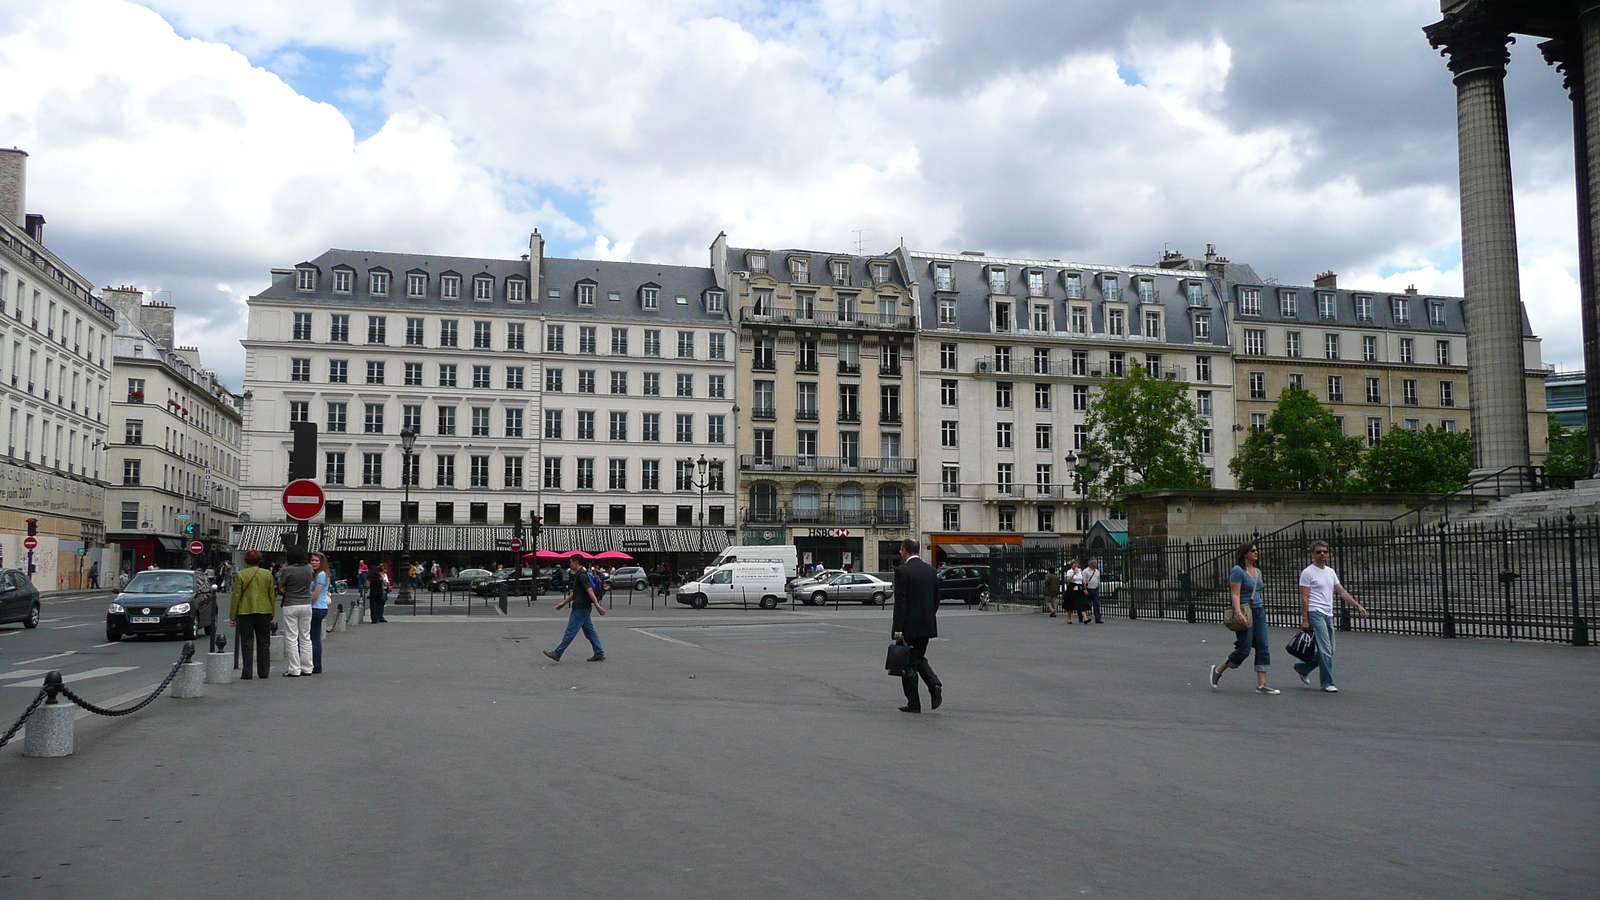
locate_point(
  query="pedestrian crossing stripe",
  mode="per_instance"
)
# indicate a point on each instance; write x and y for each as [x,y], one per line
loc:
[101,672]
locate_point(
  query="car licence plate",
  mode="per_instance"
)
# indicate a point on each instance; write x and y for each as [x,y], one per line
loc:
[144,620]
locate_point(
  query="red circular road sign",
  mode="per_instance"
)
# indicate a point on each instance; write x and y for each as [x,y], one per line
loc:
[516,545]
[303,499]
[30,542]
[196,548]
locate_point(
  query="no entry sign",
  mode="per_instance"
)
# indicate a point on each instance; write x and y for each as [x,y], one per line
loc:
[196,548]
[303,499]
[516,545]
[30,542]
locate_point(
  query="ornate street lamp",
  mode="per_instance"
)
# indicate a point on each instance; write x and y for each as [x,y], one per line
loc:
[701,466]
[408,440]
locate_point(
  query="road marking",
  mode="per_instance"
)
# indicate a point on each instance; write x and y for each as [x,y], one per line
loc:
[23,673]
[108,644]
[662,637]
[10,633]
[101,672]
[43,658]
[64,627]
[56,619]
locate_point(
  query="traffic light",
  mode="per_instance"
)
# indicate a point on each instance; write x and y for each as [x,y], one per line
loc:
[189,528]
[33,527]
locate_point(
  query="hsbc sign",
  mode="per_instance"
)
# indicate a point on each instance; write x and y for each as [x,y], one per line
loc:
[828,532]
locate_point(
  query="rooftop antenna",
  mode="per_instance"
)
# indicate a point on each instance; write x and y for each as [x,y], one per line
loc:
[861,243]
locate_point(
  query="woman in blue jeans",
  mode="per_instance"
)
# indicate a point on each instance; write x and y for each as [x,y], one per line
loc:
[319,608]
[1244,584]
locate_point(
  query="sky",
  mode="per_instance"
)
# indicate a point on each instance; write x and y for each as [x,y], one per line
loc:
[190,146]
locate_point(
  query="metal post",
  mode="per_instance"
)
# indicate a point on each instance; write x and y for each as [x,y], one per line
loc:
[408,439]
[1449,623]
[1580,628]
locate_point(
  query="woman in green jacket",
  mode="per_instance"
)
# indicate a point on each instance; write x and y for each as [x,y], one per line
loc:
[251,613]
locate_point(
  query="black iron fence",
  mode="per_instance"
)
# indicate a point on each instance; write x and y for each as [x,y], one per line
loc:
[1515,581]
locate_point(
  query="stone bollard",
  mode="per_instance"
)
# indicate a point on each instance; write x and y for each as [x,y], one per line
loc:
[358,612]
[49,730]
[280,642]
[219,668]
[339,622]
[189,683]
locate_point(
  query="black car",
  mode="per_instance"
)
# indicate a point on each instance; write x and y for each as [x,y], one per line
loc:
[969,584]
[19,599]
[164,601]
[518,584]
[461,581]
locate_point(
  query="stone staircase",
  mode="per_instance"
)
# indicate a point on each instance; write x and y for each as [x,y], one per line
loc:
[1582,501]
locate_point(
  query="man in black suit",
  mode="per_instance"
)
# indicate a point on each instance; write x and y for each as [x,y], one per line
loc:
[916,604]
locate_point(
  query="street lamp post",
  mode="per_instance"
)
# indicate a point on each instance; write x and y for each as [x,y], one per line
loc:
[408,440]
[702,467]
[1085,467]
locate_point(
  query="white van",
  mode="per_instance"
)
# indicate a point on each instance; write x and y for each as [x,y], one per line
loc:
[784,555]
[741,583]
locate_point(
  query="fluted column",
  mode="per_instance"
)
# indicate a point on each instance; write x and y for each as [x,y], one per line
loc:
[1496,379]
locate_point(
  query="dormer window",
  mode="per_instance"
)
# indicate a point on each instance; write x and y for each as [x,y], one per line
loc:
[681,300]
[1002,317]
[841,271]
[1035,283]
[1289,304]
[1194,291]
[1326,308]
[880,273]
[1363,309]
[1109,287]
[613,296]
[585,293]
[342,280]
[416,284]
[714,301]
[943,278]
[305,280]
[450,287]
[799,270]
[1074,286]
[516,290]
[998,282]
[1249,301]
[650,298]
[758,262]
[483,288]
[1402,310]
[378,284]
[1147,290]
[1436,312]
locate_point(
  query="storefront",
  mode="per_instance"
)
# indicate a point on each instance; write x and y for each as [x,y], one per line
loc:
[949,549]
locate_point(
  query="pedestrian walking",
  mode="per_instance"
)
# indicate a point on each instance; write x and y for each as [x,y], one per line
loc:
[250,614]
[587,589]
[1052,590]
[378,592]
[916,609]
[1091,587]
[295,580]
[319,608]
[1244,586]
[94,576]
[1319,583]
[1080,593]
[361,579]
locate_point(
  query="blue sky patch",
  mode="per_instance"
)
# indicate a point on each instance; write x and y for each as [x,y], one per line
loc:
[349,82]
[1129,75]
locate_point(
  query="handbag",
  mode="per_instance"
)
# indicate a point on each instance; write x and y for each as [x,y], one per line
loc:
[1240,622]
[898,662]
[1303,646]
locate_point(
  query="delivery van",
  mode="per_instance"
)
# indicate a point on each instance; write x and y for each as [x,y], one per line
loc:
[784,555]
[737,583]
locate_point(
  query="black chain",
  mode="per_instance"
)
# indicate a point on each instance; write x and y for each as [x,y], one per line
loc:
[188,651]
[12,731]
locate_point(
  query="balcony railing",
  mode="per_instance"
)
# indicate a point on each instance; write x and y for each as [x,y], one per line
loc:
[828,318]
[888,418]
[889,370]
[849,416]
[824,515]
[806,415]
[884,465]
[768,413]
[849,368]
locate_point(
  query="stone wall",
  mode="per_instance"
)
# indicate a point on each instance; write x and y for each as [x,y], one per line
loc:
[1186,515]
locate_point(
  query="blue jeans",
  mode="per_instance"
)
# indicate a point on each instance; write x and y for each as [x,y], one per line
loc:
[317,615]
[580,619]
[1254,636]
[1322,627]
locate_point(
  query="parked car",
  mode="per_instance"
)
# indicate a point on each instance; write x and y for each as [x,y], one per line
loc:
[19,599]
[799,585]
[628,577]
[164,601]
[969,584]
[849,587]
[461,581]
[1029,585]
[518,583]
[736,583]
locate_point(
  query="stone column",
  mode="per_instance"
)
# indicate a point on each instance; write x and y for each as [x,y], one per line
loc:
[1496,385]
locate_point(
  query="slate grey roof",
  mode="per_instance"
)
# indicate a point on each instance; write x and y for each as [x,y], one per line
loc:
[779,265]
[1383,308]
[626,279]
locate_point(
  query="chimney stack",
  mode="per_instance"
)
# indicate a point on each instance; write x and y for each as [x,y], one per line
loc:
[1327,280]
[14,186]
[1411,289]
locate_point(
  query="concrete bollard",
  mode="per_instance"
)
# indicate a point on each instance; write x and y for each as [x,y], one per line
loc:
[340,622]
[280,642]
[49,731]
[219,668]
[358,613]
[189,683]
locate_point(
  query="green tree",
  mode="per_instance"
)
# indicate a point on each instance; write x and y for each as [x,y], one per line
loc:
[1569,451]
[1146,434]
[1301,449]
[1429,461]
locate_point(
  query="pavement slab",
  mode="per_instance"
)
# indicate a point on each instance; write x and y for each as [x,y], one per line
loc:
[733,754]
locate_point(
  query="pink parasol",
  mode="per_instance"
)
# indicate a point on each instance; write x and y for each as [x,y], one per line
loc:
[578,553]
[614,554]
[543,554]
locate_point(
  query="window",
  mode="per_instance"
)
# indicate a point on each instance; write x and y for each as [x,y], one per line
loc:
[586,339]
[952,517]
[447,420]
[514,378]
[1407,350]
[1114,322]
[1202,326]
[1041,317]
[1335,388]
[1288,304]
[1441,352]
[652,342]
[1002,435]
[516,334]
[338,371]
[1258,421]
[377,329]
[136,385]
[552,476]
[619,426]
[617,475]
[1041,361]
[338,415]
[338,328]
[649,476]
[482,335]
[799,270]
[619,382]
[444,471]
[889,445]
[1408,392]
[1435,312]
[1110,288]
[1249,302]
[652,384]
[716,429]
[1448,425]
[650,298]
[372,469]
[299,411]
[1206,445]
[1202,403]
[1291,344]
[950,480]
[585,476]
[413,332]
[1202,369]
[1002,395]
[943,278]
[516,290]
[685,433]
[555,338]
[1114,361]
[585,425]
[841,272]
[686,384]
[1255,341]
[478,472]
[889,404]
[1002,359]
[447,375]
[1042,474]
[1005,479]
[1152,365]
[306,280]
[1080,398]
[552,424]
[686,345]
[482,288]
[1374,430]
[1047,518]
[1447,393]
[1363,309]
[1402,310]
[373,421]
[1369,348]
[1258,385]
[480,376]
[805,355]
[480,421]
[552,381]
[131,470]
[947,312]
[1330,346]
[1002,317]
[411,417]
[1042,437]
[949,433]
[450,287]
[374,372]
[1152,324]
[302,326]
[1326,308]
[1041,396]
[513,479]
[947,392]
[1007,518]
[342,280]
[585,294]
[585,381]
[448,332]
[849,403]
[1080,363]
[717,345]
[764,442]
[133,431]
[1374,390]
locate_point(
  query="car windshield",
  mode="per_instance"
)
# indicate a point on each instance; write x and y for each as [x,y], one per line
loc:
[475,573]
[161,583]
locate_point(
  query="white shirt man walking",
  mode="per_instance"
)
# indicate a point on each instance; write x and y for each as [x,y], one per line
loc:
[1318,585]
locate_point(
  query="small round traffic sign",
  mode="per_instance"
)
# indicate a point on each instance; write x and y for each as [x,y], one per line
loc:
[303,499]
[196,548]
[30,542]
[516,545]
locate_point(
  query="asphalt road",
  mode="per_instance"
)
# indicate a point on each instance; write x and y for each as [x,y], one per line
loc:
[725,754]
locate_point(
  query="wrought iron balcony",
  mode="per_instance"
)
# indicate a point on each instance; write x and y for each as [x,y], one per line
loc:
[849,368]
[827,318]
[849,416]
[824,515]
[888,418]
[806,415]
[869,465]
[767,413]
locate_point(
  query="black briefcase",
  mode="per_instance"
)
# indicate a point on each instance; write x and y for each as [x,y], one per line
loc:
[899,661]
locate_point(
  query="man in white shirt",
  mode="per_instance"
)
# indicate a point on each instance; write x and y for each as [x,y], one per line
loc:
[1091,584]
[1318,586]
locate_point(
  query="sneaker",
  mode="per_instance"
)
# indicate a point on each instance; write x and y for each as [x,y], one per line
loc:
[1263,689]
[1331,689]
[598,657]
[553,655]
[1215,677]
[1305,677]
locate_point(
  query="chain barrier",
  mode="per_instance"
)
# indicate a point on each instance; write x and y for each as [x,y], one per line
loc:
[188,652]
[12,731]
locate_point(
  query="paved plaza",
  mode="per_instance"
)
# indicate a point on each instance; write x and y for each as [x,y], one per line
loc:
[733,754]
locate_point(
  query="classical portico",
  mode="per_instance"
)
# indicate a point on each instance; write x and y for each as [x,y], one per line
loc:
[1474,35]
